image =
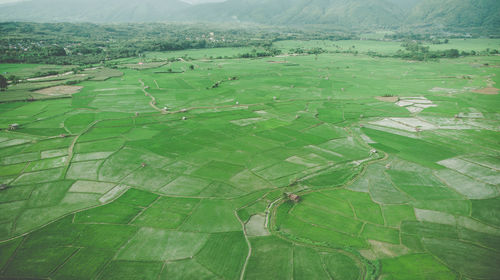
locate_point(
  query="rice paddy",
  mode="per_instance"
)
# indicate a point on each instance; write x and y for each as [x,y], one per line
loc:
[150,172]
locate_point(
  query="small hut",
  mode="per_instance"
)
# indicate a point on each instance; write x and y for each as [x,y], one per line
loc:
[294,198]
[13,126]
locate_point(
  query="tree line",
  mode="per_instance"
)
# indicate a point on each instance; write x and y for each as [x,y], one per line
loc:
[85,43]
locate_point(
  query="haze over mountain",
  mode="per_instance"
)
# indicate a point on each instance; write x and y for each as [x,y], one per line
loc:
[289,12]
[98,11]
[460,13]
[346,13]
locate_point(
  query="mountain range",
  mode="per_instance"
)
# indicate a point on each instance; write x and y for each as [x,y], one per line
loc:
[344,13]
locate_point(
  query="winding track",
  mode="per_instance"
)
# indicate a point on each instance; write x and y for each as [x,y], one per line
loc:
[273,206]
[152,103]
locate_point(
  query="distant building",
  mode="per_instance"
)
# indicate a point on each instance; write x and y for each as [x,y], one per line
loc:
[293,197]
[13,126]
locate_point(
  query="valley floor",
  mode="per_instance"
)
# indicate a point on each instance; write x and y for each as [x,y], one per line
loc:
[188,170]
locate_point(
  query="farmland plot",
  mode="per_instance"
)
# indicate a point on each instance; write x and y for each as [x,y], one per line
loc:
[339,167]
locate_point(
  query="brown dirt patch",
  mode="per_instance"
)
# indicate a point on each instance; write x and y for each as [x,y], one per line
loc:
[391,99]
[59,90]
[147,65]
[488,90]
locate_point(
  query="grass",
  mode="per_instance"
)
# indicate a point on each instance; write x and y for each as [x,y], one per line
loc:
[224,254]
[189,269]
[307,264]
[341,266]
[486,211]
[28,263]
[270,259]
[132,192]
[416,266]
[126,270]
[161,245]
[86,262]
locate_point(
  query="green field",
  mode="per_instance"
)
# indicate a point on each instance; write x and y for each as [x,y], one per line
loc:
[150,171]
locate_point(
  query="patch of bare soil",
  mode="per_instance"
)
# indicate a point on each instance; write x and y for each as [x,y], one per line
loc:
[147,65]
[488,90]
[49,77]
[59,90]
[392,99]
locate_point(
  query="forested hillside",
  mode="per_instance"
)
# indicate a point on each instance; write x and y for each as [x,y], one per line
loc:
[457,13]
[334,12]
[97,11]
[354,14]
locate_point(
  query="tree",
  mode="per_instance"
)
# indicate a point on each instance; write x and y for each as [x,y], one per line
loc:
[14,79]
[451,53]
[3,83]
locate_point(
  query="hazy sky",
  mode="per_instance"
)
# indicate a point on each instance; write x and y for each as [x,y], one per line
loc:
[200,1]
[189,1]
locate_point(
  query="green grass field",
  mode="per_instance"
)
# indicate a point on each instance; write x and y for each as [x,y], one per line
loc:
[150,174]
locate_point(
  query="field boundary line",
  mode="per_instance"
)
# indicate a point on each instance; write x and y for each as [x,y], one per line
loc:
[152,103]
[243,270]
[66,261]
[143,210]
[9,260]
[72,147]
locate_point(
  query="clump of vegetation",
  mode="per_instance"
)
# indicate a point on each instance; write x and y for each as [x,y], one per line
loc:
[83,44]
[315,51]
[255,53]
[3,83]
